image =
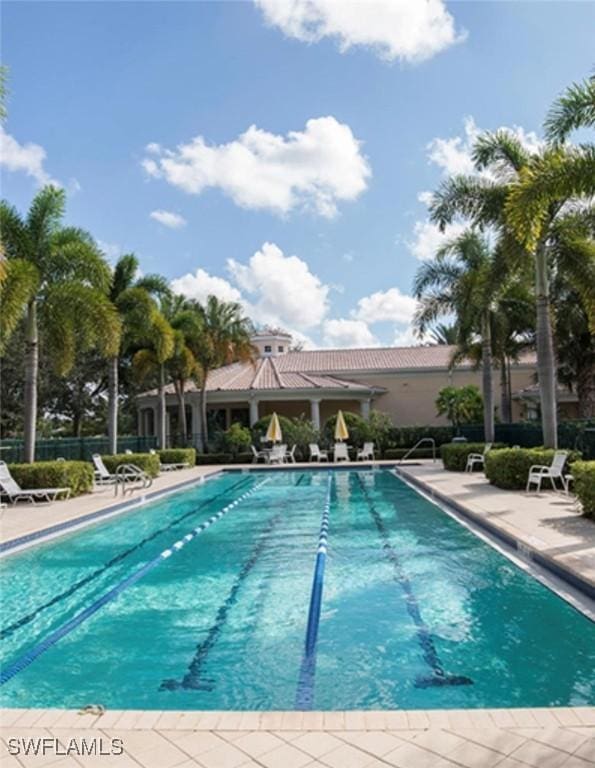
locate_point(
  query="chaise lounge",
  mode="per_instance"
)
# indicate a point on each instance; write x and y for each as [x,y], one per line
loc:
[9,487]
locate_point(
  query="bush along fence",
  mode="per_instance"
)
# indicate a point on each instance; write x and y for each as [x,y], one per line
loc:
[584,485]
[76,475]
[509,467]
[73,448]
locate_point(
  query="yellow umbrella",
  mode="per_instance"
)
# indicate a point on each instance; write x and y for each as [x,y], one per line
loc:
[341,431]
[274,433]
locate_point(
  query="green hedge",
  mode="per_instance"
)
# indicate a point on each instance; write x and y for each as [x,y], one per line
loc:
[584,485]
[509,467]
[76,475]
[223,458]
[398,453]
[454,455]
[149,462]
[177,456]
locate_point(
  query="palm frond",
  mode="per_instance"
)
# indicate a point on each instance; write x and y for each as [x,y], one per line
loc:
[18,284]
[574,109]
[479,200]
[501,151]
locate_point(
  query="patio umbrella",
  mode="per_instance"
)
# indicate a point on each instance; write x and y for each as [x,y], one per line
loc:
[274,433]
[341,431]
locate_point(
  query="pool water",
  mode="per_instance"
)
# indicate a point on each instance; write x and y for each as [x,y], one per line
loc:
[417,611]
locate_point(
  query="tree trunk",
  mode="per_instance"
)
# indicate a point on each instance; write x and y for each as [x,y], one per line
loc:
[546,362]
[31,372]
[488,393]
[203,439]
[162,409]
[112,405]
[585,390]
[182,420]
[505,404]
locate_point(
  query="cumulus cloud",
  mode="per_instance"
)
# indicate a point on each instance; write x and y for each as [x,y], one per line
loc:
[281,288]
[201,285]
[315,168]
[343,332]
[407,337]
[168,219]
[427,238]
[28,158]
[382,306]
[408,30]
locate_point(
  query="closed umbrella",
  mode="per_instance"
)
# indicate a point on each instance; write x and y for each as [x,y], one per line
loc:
[341,431]
[274,433]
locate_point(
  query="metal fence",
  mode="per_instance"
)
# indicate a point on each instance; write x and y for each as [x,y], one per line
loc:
[73,448]
[577,435]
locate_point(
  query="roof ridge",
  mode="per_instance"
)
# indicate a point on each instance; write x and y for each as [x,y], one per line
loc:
[276,372]
[256,380]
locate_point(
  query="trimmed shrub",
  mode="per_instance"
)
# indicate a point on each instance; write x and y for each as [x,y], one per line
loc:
[406,437]
[76,475]
[297,431]
[398,453]
[149,462]
[236,439]
[213,458]
[584,485]
[454,455]
[177,456]
[359,430]
[509,467]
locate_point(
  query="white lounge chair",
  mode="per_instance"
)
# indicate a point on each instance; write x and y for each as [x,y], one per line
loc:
[290,455]
[277,454]
[366,453]
[539,472]
[477,458]
[316,454]
[340,452]
[9,487]
[169,467]
[258,455]
[127,473]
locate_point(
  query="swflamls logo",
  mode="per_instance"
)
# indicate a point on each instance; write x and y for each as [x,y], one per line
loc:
[40,747]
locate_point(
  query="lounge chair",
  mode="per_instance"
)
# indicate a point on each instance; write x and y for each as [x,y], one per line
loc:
[169,467]
[290,455]
[9,487]
[477,458]
[258,455]
[277,454]
[340,452]
[366,453]
[316,454]
[539,472]
[127,473]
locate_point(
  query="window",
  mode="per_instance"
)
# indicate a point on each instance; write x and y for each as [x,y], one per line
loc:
[279,349]
[268,348]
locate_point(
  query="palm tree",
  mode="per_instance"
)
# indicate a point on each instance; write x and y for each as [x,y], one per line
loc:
[574,109]
[64,284]
[444,334]
[496,199]
[462,281]
[222,336]
[133,297]
[149,361]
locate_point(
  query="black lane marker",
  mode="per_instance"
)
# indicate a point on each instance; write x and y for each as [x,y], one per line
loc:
[438,677]
[194,679]
[24,620]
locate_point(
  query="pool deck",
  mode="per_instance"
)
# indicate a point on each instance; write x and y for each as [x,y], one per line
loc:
[482,738]
[495,738]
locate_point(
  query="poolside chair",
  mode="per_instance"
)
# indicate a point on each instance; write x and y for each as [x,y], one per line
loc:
[366,453]
[169,467]
[539,472]
[290,455]
[128,452]
[127,473]
[477,458]
[340,452]
[9,487]
[277,454]
[258,455]
[316,454]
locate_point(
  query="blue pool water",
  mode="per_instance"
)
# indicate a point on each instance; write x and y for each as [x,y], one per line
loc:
[416,611]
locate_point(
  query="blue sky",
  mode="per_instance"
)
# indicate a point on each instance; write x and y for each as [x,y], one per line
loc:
[313,220]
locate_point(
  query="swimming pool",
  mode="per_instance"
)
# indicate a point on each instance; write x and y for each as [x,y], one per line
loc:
[152,609]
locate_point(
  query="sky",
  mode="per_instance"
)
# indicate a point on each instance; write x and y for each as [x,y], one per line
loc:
[277,154]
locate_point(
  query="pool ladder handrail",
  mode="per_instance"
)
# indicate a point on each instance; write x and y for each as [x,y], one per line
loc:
[419,442]
[131,478]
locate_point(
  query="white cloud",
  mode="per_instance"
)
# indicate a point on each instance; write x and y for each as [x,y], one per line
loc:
[168,219]
[407,337]
[315,168]
[425,197]
[112,251]
[390,305]
[427,238]
[343,332]
[282,288]
[28,158]
[409,30]
[201,285]
[348,257]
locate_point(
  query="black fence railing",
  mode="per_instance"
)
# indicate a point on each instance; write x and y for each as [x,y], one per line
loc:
[73,448]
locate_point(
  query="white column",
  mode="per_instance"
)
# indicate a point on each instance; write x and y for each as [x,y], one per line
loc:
[365,409]
[315,412]
[156,421]
[253,411]
[167,428]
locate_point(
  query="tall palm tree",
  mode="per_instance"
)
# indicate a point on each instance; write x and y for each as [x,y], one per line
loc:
[493,199]
[222,336]
[149,362]
[133,296]
[64,285]
[444,334]
[574,109]
[462,281]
